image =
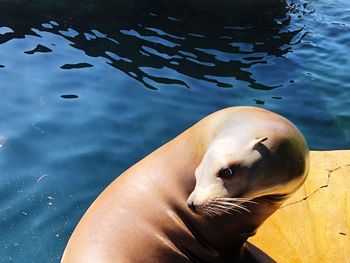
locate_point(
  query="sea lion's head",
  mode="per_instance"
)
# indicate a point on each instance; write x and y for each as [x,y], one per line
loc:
[250,157]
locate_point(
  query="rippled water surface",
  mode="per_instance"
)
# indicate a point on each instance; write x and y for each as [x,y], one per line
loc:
[88,88]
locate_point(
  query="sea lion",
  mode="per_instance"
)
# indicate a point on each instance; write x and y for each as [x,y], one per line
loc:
[198,197]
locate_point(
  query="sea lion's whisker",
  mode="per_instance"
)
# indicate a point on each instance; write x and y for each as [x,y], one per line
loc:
[230,202]
[207,212]
[223,209]
[244,199]
[228,207]
[232,209]
[207,209]
[219,205]
[227,203]
[218,210]
[202,211]
[233,199]
[234,205]
[213,211]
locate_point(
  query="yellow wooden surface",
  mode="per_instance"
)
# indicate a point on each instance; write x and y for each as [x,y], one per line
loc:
[314,224]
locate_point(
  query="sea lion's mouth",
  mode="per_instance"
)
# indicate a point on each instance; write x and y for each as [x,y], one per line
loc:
[239,196]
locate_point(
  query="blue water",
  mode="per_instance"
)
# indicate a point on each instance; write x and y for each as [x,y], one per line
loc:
[87,89]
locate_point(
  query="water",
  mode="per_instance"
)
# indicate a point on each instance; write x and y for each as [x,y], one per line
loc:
[86,90]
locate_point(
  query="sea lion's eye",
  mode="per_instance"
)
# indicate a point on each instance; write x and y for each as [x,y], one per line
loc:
[225,173]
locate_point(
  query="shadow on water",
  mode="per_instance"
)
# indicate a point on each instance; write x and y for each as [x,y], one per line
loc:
[152,40]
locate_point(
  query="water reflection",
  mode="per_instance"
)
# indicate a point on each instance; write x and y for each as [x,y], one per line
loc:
[153,40]
[69,96]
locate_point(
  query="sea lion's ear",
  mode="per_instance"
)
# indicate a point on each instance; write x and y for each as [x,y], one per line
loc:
[257,141]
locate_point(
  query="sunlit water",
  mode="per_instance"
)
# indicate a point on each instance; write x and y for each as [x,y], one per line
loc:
[87,90]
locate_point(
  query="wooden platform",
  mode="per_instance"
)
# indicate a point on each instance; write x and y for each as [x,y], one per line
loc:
[314,224]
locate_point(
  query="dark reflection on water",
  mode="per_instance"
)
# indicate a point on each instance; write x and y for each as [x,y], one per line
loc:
[39,48]
[153,39]
[89,88]
[78,65]
[69,96]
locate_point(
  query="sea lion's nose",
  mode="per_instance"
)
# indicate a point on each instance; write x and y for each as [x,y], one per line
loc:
[190,203]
